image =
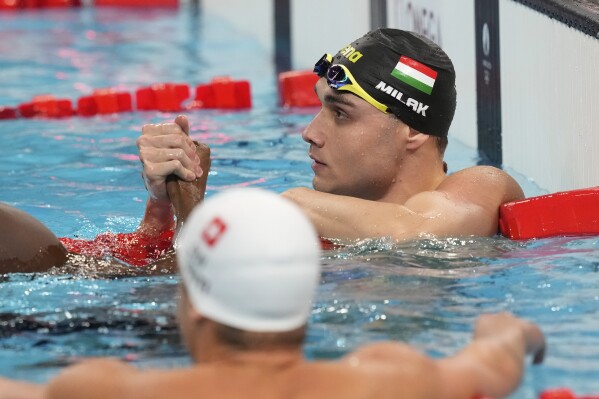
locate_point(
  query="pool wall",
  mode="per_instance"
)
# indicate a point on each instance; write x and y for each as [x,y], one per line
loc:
[550,97]
[533,64]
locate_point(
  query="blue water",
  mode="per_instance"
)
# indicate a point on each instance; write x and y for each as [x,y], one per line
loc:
[81,176]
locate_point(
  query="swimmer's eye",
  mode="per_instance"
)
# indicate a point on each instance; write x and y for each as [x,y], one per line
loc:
[340,114]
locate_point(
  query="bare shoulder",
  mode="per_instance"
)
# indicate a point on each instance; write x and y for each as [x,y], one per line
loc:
[391,353]
[99,366]
[401,370]
[466,203]
[482,171]
[483,181]
[95,378]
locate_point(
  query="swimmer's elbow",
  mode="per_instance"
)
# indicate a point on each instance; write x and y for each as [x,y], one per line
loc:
[410,225]
[301,196]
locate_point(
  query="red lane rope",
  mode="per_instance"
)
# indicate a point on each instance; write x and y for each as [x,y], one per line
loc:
[220,93]
[32,4]
[563,393]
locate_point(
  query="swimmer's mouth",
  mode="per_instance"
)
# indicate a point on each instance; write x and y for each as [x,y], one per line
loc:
[316,160]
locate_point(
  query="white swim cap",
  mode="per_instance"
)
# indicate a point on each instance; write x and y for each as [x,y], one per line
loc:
[250,259]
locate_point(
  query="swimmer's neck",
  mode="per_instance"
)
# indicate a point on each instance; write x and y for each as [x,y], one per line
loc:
[403,189]
[411,180]
[205,347]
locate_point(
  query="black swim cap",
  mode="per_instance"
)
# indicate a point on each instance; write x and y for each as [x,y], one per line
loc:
[408,73]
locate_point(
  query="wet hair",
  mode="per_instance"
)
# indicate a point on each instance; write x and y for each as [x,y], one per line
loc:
[441,141]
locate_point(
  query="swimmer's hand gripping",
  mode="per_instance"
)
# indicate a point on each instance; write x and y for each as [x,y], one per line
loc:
[186,195]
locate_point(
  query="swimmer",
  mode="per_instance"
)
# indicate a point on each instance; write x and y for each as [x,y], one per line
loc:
[27,246]
[376,145]
[244,304]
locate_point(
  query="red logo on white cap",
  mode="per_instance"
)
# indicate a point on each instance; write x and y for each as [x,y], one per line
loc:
[214,231]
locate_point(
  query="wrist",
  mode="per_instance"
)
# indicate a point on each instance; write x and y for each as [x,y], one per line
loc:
[159,203]
[158,217]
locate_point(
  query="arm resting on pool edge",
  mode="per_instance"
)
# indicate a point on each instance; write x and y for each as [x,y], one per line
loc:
[492,365]
[464,204]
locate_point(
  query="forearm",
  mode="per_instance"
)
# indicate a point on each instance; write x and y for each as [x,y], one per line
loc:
[488,367]
[158,217]
[184,195]
[431,212]
[336,216]
[10,389]
[500,364]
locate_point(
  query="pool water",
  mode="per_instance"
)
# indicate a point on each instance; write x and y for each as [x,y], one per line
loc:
[81,176]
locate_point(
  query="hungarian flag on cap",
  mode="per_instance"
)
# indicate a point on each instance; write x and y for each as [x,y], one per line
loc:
[415,74]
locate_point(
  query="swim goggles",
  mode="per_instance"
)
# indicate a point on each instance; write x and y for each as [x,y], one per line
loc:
[340,78]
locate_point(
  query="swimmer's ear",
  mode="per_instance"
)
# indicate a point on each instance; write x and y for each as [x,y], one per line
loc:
[190,312]
[195,316]
[183,122]
[416,139]
[198,317]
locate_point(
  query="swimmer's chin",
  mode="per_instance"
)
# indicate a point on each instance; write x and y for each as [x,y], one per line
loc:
[319,186]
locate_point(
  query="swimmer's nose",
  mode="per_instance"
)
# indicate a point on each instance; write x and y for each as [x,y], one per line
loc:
[312,133]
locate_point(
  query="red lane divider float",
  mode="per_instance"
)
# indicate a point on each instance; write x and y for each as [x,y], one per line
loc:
[162,97]
[220,93]
[563,393]
[296,89]
[137,3]
[16,4]
[104,101]
[8,113]
[574,212]
[223,92]
[47,105]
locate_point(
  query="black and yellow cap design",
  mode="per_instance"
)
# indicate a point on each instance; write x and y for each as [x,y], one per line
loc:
[409,74]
